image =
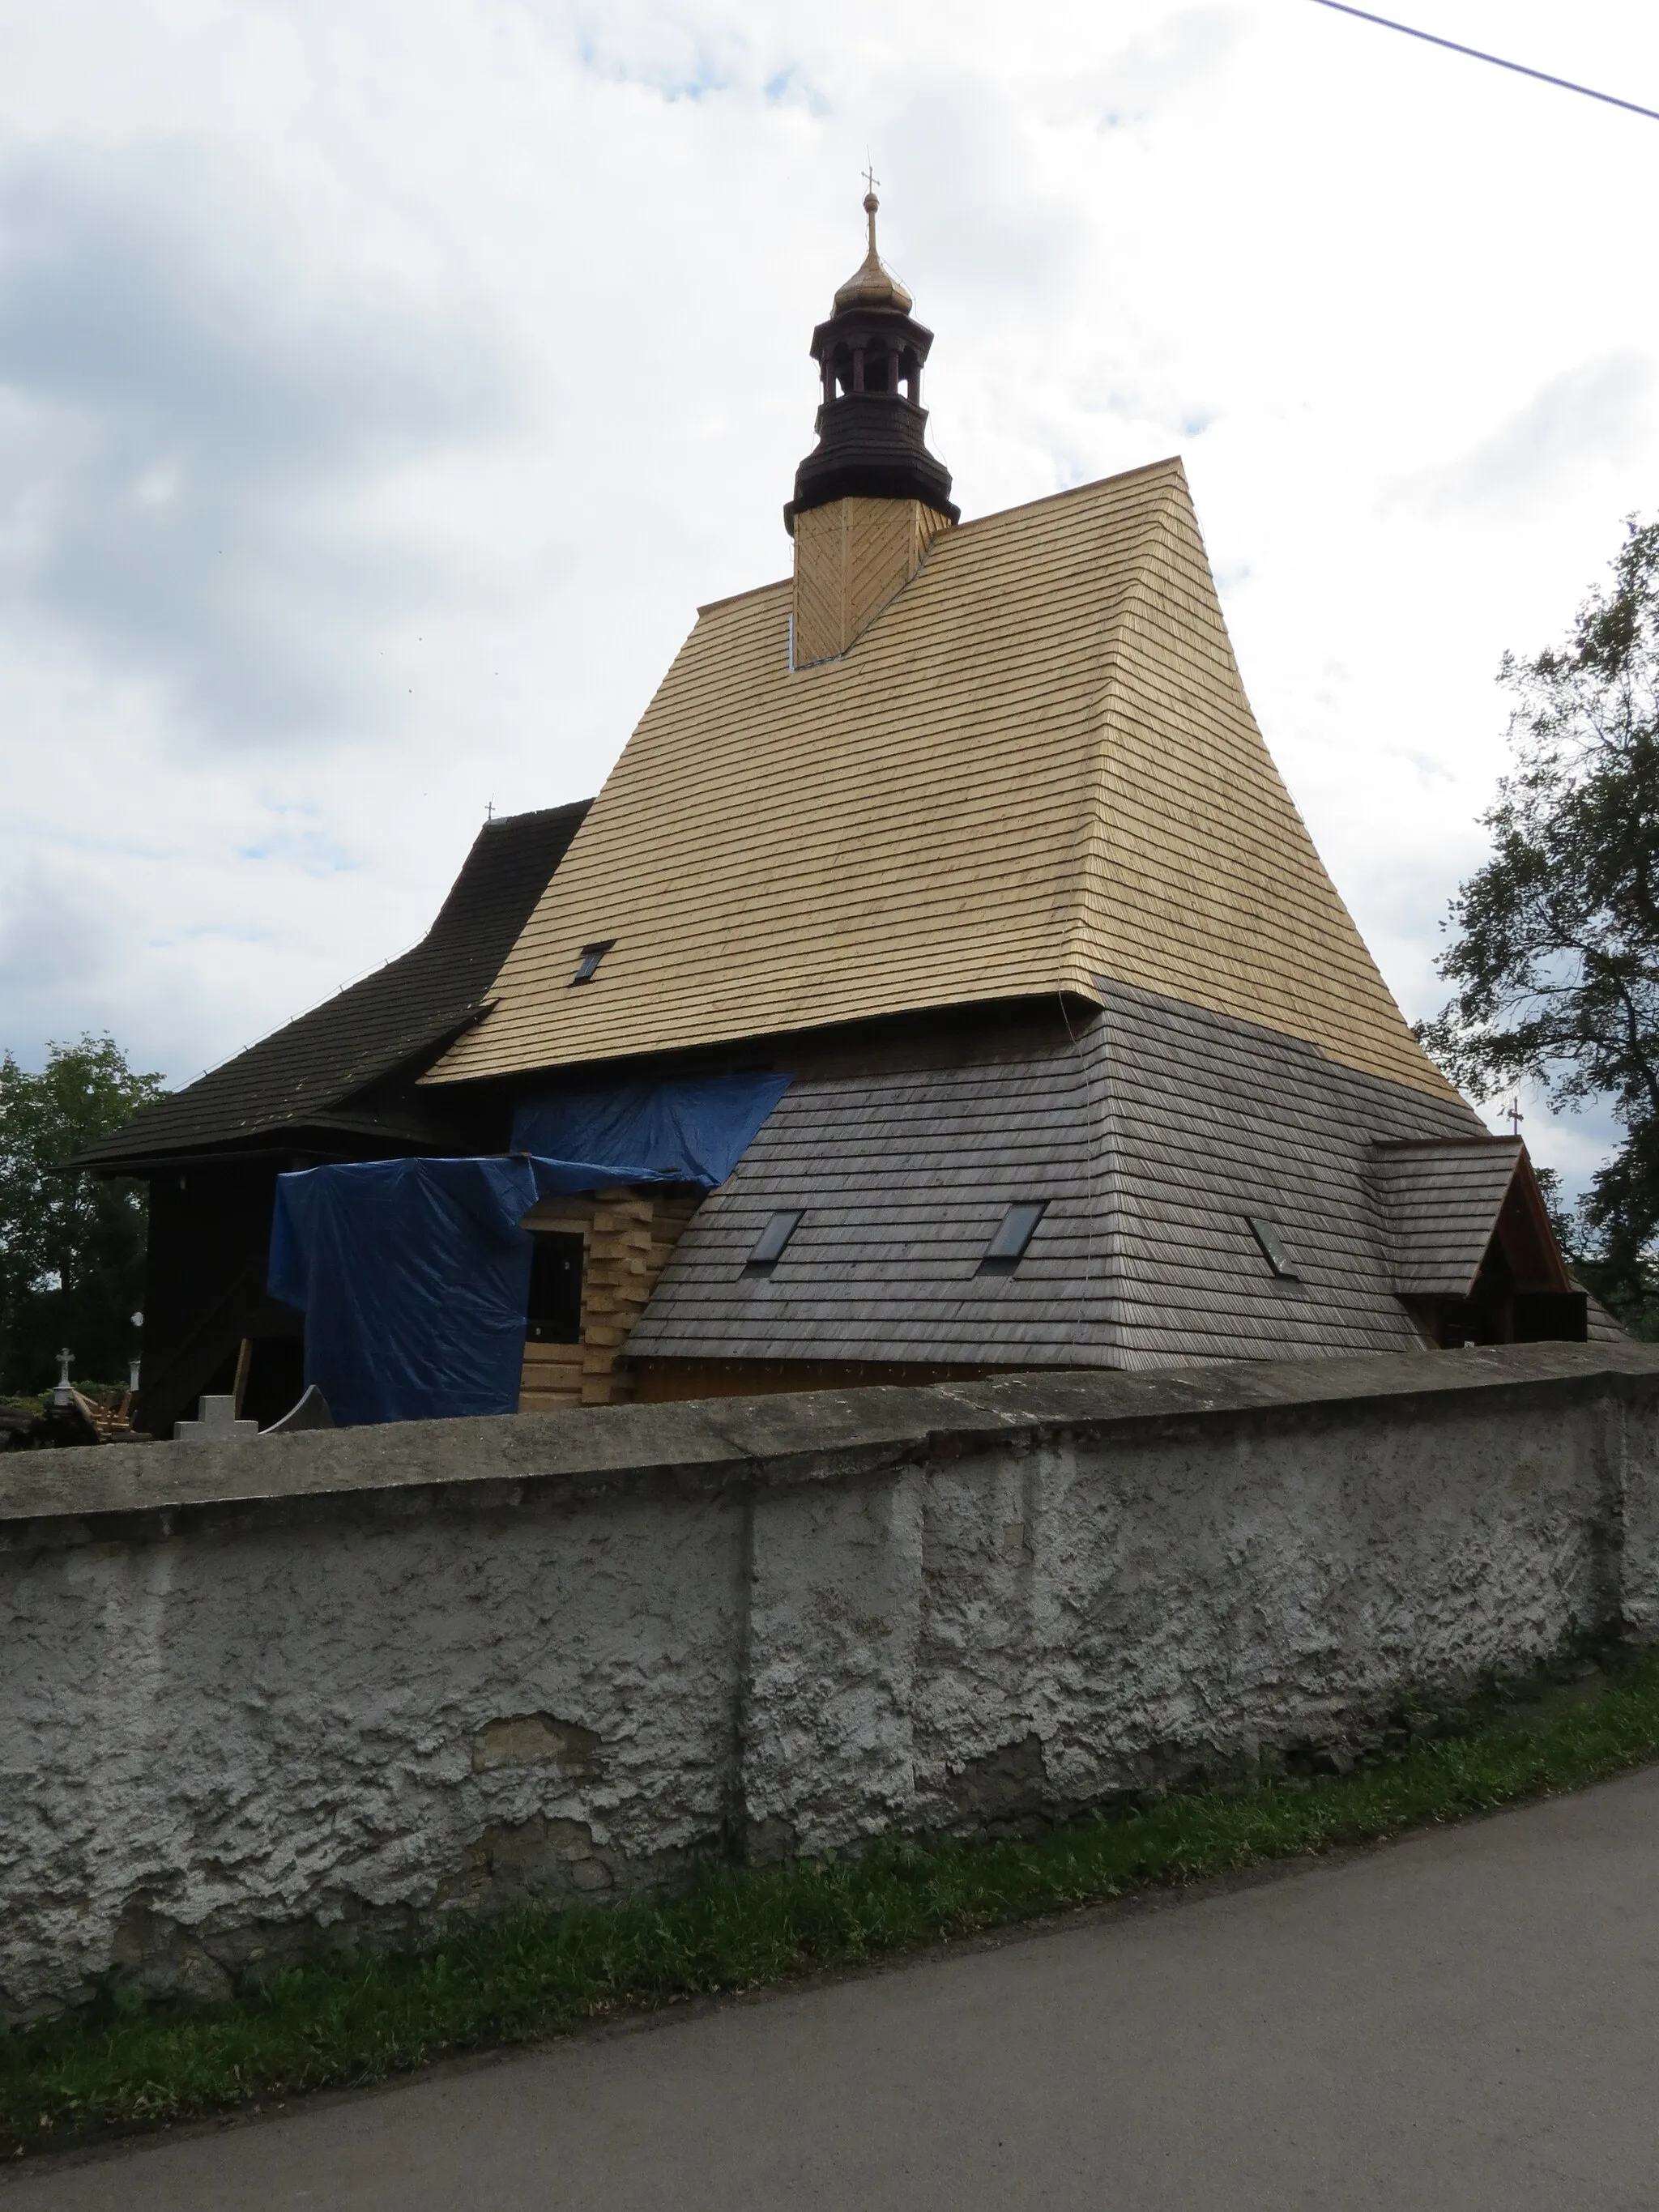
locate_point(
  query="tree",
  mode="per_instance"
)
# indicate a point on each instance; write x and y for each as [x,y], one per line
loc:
[1556,958]
[71,1248]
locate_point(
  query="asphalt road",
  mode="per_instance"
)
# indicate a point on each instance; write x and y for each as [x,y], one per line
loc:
[1469,2019]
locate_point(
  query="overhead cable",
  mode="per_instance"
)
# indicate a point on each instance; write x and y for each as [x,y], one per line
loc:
[1474,53]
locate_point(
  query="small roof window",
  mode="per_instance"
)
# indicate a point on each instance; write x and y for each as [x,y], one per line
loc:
[1014,1232]
[768,1245]
[588,966]
[1274,1250]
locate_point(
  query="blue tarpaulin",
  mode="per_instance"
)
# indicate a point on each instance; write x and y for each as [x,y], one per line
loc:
[688,1132]
[414,1275]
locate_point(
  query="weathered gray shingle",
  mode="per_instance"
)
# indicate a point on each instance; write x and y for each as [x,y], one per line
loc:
[1154,1132]
[1442,1201]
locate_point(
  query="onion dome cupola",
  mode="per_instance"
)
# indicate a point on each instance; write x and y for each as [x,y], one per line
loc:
[871,426]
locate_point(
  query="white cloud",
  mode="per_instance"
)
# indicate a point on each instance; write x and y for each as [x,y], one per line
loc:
[1595,414]
[382,387]
[193,419]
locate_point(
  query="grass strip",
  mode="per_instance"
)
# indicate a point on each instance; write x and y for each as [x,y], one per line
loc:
[358,2017]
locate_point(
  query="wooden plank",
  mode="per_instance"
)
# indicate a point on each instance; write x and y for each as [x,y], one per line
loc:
[630,1236]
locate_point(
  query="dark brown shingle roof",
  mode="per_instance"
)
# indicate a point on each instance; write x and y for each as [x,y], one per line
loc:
[306,1076]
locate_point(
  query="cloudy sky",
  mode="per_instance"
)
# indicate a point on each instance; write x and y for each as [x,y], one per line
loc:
[384,382]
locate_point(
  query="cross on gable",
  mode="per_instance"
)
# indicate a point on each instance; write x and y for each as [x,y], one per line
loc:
[218,1423]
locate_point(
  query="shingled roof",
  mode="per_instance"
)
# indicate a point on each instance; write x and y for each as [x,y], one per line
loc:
[1443,1201]
[309,1077]
[1154,1133]
[1036,768]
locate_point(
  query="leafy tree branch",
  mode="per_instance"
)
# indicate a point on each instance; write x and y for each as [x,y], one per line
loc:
[1555,957]
[71,1248]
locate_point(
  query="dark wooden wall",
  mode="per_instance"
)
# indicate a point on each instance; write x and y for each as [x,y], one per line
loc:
[209,1243]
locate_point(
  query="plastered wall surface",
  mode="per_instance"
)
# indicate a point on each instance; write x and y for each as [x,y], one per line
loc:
[257,1697]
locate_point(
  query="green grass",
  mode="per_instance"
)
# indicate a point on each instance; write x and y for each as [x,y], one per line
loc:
[357,2017]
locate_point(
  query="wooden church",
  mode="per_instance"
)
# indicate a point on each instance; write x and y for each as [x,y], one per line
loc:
[951,875]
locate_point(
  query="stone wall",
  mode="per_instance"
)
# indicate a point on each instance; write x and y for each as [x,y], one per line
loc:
[256,1696]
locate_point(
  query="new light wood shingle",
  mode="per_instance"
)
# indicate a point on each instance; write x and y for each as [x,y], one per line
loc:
[1036,766]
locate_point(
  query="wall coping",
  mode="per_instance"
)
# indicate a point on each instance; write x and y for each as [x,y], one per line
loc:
[781,1437]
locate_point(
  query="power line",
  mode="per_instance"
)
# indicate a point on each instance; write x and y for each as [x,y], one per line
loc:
[1474,53]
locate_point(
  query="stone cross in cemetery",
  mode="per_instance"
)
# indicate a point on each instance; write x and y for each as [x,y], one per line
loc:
[216,1424]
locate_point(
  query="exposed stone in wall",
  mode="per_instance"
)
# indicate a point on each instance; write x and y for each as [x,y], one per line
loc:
[529,1738]
[341,1686]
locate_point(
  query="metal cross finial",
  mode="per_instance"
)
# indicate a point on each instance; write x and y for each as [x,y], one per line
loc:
[1514,1116]
[870,204]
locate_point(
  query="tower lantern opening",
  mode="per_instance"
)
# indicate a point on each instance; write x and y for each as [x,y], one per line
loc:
[869,496]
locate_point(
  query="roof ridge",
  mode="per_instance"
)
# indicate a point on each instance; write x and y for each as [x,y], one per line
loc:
[404,1009]
[1200,830]
[529,814]
[1471,1143]
[1089,857]
[754,592]
[1170,461]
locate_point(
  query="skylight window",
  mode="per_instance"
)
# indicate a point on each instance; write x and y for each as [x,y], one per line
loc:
[588,966]
[1275,1249]
[768,1245]
[1014,1232]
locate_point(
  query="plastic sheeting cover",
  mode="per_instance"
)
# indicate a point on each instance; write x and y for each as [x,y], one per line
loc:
[695,1131]
[414,1275]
